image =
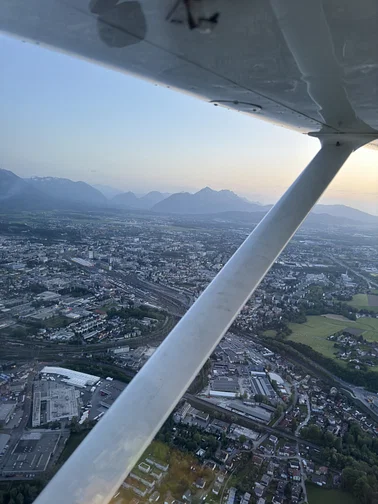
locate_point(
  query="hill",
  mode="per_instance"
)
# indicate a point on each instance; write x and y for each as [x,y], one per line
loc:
[208,201]
[17,194]
[129,200]
[346,212]
[205,201]
[107,191]
[68,191]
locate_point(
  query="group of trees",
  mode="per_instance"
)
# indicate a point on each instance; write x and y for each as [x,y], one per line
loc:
[310,358]
[356,454]
[98,369]
[189,438]
[137,313]
[19,493]
[359,377]
[247,474]
[201,380]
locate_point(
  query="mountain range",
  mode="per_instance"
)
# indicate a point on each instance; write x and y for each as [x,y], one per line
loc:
[63,189]
[47,193]
[129,200]
[206,201]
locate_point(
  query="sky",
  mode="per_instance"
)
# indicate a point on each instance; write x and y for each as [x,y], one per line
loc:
[65,117]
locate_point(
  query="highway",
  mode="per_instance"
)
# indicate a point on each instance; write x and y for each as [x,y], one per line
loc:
[369,281]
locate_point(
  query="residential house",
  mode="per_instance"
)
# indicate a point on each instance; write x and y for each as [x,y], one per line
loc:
[200,483]
[187,496]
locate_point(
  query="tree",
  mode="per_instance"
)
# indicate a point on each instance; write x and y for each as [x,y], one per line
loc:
[242,439]
[259,398]
[294,425]
[20,499]
[362,490]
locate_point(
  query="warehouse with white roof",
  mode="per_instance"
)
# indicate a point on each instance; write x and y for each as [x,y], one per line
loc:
[75,378]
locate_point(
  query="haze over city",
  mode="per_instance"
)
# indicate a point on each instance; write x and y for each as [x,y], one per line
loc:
[172,331]
[66,117]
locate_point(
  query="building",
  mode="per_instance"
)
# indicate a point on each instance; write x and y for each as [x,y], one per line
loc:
[6,411]
[33,452]
[72,377]
[53,401]
[237,431]
[231,496]
[224,387]
[259,413]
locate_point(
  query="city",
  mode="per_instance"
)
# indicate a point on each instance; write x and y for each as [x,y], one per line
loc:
[285,408]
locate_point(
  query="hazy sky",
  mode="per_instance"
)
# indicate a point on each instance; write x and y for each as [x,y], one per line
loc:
[65,117]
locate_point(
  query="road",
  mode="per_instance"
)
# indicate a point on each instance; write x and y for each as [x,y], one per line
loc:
[369,281]
[48,349]
[307,419]
[300,462]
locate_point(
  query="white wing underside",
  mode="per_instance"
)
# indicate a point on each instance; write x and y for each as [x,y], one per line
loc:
[308,65]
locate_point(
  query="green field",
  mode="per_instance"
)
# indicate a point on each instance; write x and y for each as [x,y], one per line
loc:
[271,333]
[318,495]
[315,331]
[361,301]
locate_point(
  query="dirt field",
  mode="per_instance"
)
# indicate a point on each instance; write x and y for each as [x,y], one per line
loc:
[335,317]
[365,302]
[373,300]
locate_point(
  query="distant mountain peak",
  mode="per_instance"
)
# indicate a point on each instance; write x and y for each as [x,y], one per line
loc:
[205,201]
[67,190]
[129,200]
[205,190]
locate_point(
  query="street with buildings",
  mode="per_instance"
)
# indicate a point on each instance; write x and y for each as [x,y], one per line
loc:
[286,397]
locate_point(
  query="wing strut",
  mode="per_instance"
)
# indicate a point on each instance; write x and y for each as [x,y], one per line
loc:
[95,471]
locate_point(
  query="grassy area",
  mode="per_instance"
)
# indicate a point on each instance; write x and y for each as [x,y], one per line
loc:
[318,495]
[315,331]
[361,302]
[55,322]
[271,333]
[158,451]
[183,470]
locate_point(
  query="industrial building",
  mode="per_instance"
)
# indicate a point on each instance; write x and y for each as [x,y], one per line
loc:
[72,377]
[6,411]
[33,452]
[224,387]
[237,430]
[259,413]
[53,401]
[261,385]
[82,262]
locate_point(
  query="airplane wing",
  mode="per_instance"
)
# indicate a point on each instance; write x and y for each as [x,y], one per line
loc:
[309,65]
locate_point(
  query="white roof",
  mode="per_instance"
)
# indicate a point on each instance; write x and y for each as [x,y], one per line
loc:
[75,378]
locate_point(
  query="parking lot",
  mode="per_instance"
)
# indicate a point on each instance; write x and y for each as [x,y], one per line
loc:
[104,396]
